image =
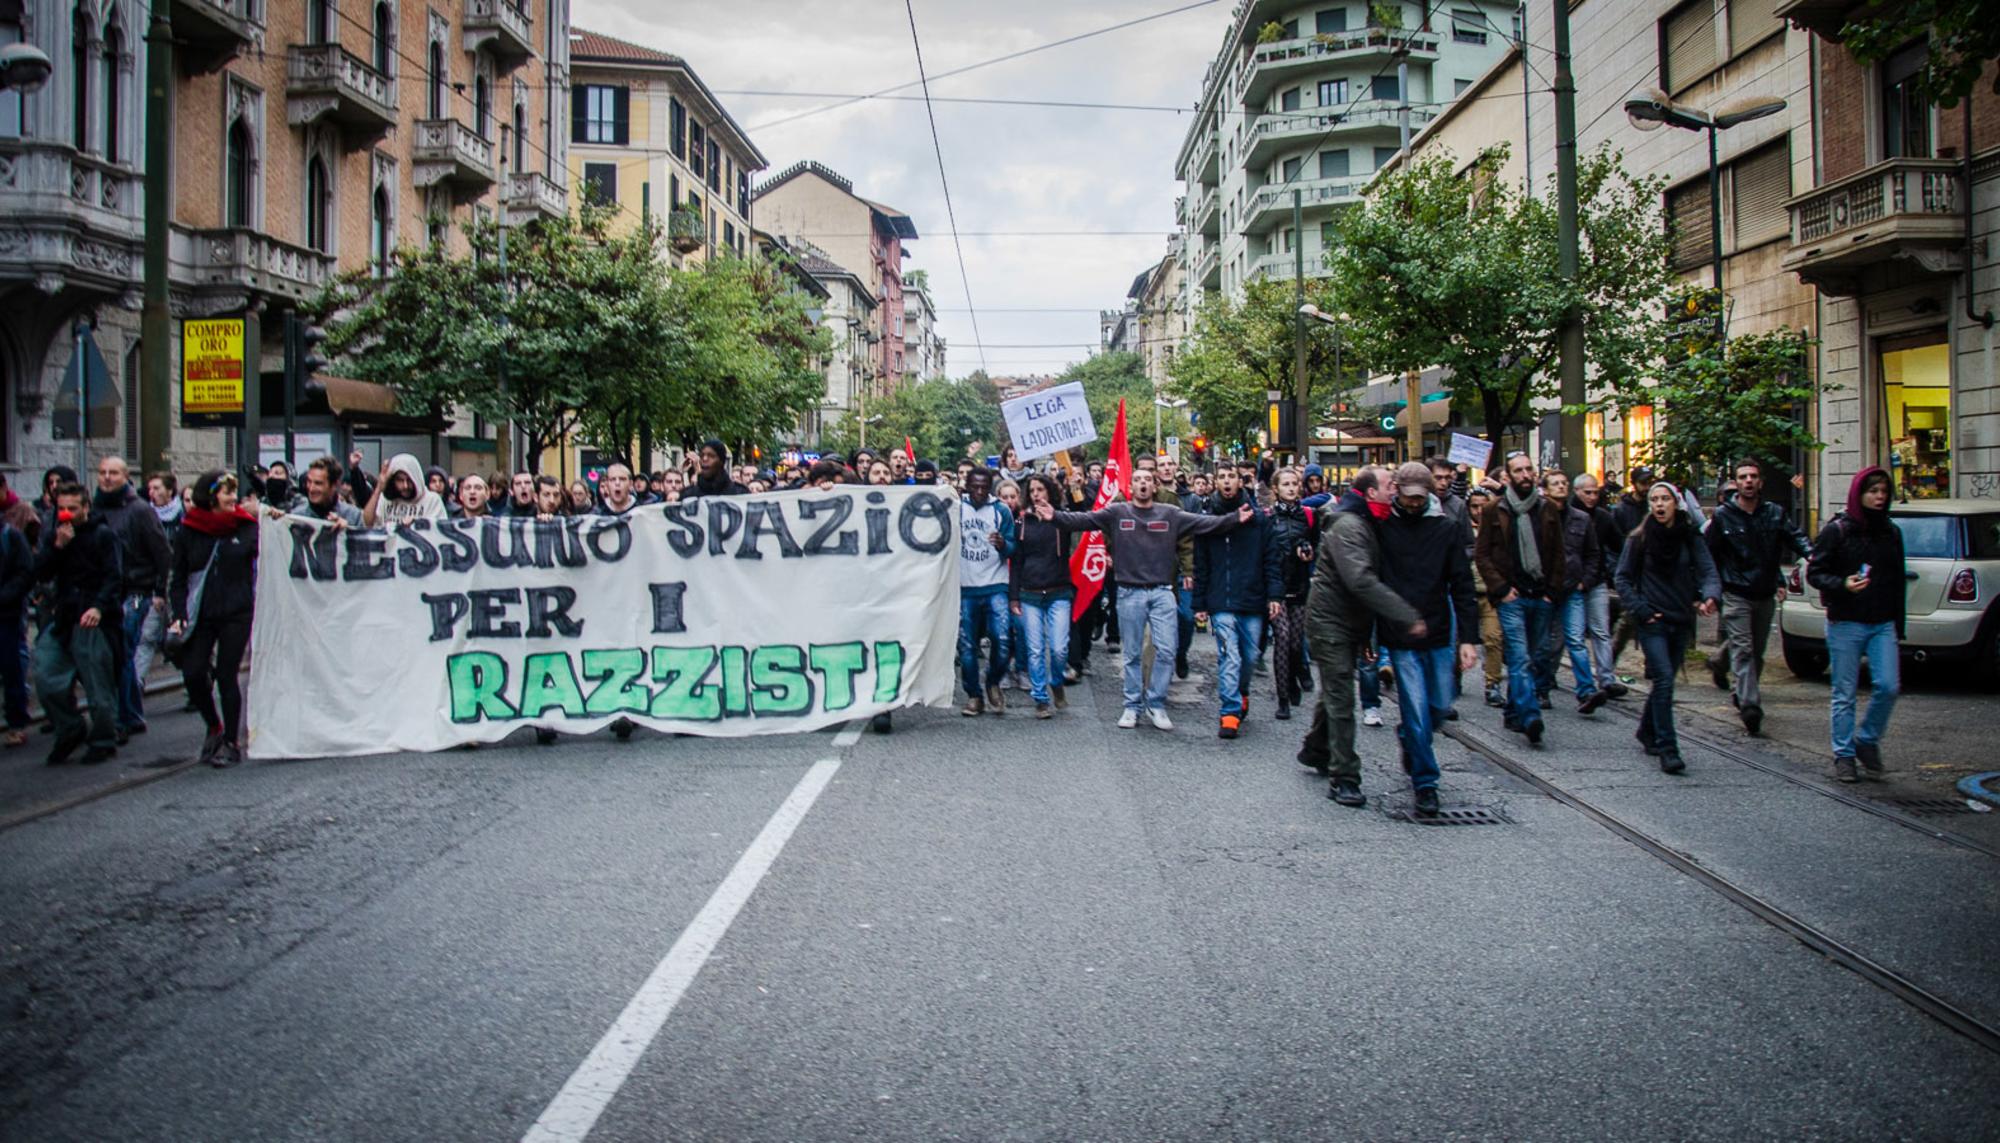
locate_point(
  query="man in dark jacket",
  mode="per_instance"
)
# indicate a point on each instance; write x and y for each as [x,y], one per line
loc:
[1237,585]
[1587,494]
[1521,559]
[80,555]
[147,560]
[1583,562]
[1348,602]
[1424,560]
[1749,537]
[712,472]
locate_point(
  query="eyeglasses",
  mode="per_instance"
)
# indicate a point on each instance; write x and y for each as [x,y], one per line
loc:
[1515,453]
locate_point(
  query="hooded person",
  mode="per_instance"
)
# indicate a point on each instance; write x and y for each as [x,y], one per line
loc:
[439,481]
[401,495]
[1857,566]
[1667,579]
[712,477]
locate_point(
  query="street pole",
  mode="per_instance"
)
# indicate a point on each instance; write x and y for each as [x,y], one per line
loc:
[504,445]
[1715,235]
[79,331]
[1300,432]
[1570,333]
[155,358]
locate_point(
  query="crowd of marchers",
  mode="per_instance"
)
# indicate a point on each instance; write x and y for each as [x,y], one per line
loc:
[1405,578]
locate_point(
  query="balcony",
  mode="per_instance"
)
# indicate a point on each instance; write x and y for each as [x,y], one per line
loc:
[1893,224]
[1289,61]
[501,28]
[1272,205]
[450,153]
[71,218]
[234,265]
[1208,268]
[1207,166]
[1272,133]
[1823,16]
[1208,214]
[686,232]
[326,83]
[1281,267]
[531,195]
[210,33]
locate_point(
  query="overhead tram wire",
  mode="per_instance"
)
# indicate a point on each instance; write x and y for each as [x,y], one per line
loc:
[937,148]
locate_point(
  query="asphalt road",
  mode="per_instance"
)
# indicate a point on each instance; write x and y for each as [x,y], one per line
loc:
[990,928]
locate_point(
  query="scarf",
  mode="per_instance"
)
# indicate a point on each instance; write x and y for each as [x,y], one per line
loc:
[1662,545]
[171,514]
[210,522]
[1526,545]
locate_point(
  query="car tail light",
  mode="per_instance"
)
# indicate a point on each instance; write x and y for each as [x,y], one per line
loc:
[1964,587]
[1795,581]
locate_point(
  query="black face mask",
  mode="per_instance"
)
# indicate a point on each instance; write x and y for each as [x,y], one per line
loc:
[277,490]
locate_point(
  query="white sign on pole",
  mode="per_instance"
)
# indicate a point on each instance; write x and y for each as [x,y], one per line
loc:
[1049,421]
[306,447]
[718,615]
[1469,450]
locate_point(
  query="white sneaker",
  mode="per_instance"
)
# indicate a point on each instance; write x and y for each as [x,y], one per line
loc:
[1128,720]
[1371,716]
[1160,719]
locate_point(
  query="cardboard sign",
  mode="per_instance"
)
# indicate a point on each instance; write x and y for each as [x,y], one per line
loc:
[1049,421]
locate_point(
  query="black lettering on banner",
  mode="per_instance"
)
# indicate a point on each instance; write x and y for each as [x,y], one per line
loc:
[315,552]
[816,544]
[878,526]
[519,553]
[667,617]
[446,610]
[559,543]
[761,519]
[456,548]
[926,506]
[415,556]
[548,609]
[684,533]
[368,557]
[724,518]
[619,529]
[489,613]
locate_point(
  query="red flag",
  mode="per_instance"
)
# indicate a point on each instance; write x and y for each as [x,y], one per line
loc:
[1089,563]
[910,450]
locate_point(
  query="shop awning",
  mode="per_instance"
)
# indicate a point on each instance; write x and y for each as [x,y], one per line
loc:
[367,403]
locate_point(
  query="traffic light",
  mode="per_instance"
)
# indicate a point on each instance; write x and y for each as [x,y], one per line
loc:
[1200,446]
[302,356]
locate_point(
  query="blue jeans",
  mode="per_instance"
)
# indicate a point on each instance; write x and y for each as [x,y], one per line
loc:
[1142,610]
[1597,626]
[987,611]
[1017,642]
[1573,635]
[131,694]
[1236,635]
[1046,631]
[1184,600]
[1369,676]
[1665,647]
[1524,627]
[1423,690]
[1846,643]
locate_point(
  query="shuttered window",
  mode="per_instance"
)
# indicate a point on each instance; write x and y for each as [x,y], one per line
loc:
[1687,45]
[1761,182]
[1687,218]
[1750,21]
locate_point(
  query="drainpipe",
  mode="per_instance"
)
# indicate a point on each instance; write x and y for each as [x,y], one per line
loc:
[1984,319]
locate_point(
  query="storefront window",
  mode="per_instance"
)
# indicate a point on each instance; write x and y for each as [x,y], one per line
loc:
[1639,436]
[1593,445]
[1916,417]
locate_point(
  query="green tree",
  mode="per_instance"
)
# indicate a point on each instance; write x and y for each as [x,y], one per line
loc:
[1109,378]
[944,419]
[1240,349]
[1963,35]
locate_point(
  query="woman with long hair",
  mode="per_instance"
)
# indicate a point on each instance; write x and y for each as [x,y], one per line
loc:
[1042,595]
[582,502]
[213,593]
[1293,539]
[1666,578]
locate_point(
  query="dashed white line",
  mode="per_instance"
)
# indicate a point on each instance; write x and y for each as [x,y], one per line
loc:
[847,737]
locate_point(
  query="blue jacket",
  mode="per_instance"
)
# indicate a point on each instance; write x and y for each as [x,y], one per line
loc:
[1237,571]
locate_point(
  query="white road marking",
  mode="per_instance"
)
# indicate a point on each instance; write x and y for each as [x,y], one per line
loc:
[847,737]
[589,1090]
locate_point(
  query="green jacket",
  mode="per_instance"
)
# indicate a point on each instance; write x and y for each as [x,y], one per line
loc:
[1348,595]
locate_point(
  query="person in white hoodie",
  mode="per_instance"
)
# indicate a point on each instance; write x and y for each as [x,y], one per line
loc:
[985,540]
[401,495]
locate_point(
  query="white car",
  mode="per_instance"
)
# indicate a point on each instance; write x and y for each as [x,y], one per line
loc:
[1952,553]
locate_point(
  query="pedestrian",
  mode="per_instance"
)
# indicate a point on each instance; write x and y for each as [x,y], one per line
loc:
[521,498]
[321,501]
[615,491]
[1294,538]
[163,492]
[145,559]
[214,598]
[1237,587]
[1749,537]
[551,502]
[1857,564]
[474,497]
[17,583]
[582,501]
[20,513]
[1425,563]
[1142,538]
[1492,647]
[360,486]
[1666,578]
[985,540]
[1041,595]
[1588,496]
[1008,492]
[1165,492]
[712,474]
[880,472]
[1347,603]
[45,507]
[1583,569]
[925,474]
[79,559]
[1011,467]
[1521,555]
[438,481]
[400,495]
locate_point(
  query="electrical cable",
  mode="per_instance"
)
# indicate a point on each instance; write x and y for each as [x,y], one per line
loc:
[937,148]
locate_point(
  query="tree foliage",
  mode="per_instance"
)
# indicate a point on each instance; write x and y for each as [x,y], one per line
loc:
[1109,378]
[943,419]
[1240,349]
[1964,37]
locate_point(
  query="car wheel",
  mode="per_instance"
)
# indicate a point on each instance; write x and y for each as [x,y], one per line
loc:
[1803,661]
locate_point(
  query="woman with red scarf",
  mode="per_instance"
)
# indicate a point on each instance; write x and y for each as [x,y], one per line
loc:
[212,593]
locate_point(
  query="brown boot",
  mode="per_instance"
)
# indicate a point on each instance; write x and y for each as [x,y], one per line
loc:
[973,708]
[1062,699]
[996,700]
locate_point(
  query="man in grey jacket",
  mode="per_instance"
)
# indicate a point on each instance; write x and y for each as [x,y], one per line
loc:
[1347,599]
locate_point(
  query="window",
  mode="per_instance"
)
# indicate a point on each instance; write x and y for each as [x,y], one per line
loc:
[1687,45]
[1915,434]
[743,193]
[1332,92]
[520,137]
[714,164]
[319,22]
[114,47]
[1383,155]
[677,128]
[1519,28]
[319,206]
[1468,26]
[380,232]
[1689,224]
[673,192]
[1749,22]
[482,107]
[729,235]
[1333,164]
[1289,101]
[1291,169]
[600,182]
[1290,29]
[385,39]
[1906,118]
[439,81]
[1326,235]
[1329,20]
[240,170]
[1384,87]
[1460,87]
[79,59]
[698,149]
[603,115]
[1639,436]
[1760,183]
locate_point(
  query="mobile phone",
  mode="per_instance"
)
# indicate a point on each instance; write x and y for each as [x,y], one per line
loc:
[1863,573]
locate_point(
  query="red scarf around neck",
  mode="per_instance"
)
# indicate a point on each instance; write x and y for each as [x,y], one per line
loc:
[210,522]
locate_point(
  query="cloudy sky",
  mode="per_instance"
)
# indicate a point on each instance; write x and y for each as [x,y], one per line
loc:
[1012,169]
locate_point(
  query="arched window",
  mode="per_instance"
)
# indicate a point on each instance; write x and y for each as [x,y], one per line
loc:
[385,38]
[482,107]
[114,95]
[520,137]
[240,168]
[79,78]
[381,231]
[319,206]
[319,21]
[438,80]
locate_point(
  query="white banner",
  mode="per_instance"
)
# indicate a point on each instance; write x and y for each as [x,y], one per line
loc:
[1049,421]
[1469,451]
[720,616]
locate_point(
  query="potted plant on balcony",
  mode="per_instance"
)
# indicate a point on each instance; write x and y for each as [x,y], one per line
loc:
[1271,33]
[1384,18]
[685,230]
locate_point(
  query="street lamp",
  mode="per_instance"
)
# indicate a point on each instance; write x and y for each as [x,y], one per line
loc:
[1159,404]
[24,67]
[1339,374]
[1659,110]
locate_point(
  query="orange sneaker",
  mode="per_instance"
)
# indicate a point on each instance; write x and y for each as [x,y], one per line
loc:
[1230,723]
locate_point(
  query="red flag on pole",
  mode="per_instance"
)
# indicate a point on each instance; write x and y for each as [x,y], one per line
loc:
[1089,563]
[910,450]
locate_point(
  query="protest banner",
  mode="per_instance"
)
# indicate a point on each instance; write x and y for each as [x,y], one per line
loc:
[720,616]
[1049,421]
[1469,450]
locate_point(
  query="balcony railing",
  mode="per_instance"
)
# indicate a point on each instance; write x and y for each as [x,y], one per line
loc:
[1281,267]
[1208,215]
[46,178]
[686,232]
[447,151]
[1206,167]
[531,195]
[327,82]
[1312,193]
[1208,267]
[210,33]
[500,27]
[239,259]
[1268,62]
[1905,212]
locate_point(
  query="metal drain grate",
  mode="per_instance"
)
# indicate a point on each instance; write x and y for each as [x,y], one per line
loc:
[1930,807]
[1457,817]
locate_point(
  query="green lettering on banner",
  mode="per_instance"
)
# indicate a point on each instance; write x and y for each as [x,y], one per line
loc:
[778,681]
[620,690]
[888,671]
[680,671]
[837,664]
[549,679]
[478,679]
[735,681]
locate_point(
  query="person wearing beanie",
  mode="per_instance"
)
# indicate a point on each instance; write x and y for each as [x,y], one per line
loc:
[1666,578]
[1857,565]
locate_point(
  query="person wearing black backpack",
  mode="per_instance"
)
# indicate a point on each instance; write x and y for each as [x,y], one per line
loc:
[1857,566]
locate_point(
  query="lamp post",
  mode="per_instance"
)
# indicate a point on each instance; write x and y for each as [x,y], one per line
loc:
[1159,404]
[1658,110]
[1339,374]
